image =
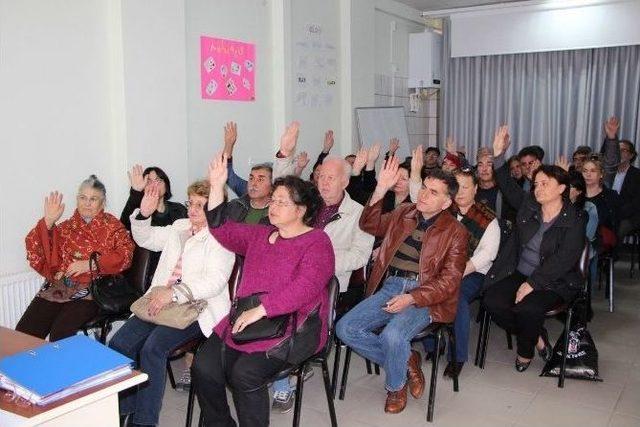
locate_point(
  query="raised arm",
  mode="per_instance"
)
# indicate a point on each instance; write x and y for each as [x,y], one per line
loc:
[372,220]
[138,182]
[39,241]
[283,163]
[508,186]
[415,179]
[610,150]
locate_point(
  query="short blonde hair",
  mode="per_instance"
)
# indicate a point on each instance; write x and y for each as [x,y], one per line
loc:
[199,188]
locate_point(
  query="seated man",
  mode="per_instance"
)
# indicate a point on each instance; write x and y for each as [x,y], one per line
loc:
[338,216]
[530,160]
[425,251]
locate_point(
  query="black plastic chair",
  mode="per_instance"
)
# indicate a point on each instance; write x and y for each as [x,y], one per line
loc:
[320,358]
[436,329]
[138,277]
[569,309]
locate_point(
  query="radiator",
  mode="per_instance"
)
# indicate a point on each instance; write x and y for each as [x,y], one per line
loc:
[16,292]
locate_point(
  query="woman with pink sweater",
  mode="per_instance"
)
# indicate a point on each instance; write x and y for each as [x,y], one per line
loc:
[289,264]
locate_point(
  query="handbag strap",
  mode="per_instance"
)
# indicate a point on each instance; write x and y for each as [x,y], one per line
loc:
[94,268]
[184,290]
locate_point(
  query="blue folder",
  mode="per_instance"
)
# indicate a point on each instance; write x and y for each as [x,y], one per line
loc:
[59,365]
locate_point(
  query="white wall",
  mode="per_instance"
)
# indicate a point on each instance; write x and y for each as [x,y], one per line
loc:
[54,110]
[316,114]
[545,27]
[247,21]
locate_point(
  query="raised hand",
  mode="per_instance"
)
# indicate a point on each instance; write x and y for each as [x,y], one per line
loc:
[360,161]
[149,202]
[136,179]
[327,145]
[611,127]
[230,137]
[501,141]
[417,159]
[394,144]
[451,146]
[289,139]
[389,175]
[372,156]
[218,171]
[563,163]
[301,162]
[53,208]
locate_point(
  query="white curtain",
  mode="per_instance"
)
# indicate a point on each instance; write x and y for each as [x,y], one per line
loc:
[558,100]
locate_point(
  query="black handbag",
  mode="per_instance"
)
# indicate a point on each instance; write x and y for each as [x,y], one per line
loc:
[111,292]
[264,329]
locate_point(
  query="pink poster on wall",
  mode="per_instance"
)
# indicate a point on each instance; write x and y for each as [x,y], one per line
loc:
[227,69]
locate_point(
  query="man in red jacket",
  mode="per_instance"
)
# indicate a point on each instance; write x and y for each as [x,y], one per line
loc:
[424,251]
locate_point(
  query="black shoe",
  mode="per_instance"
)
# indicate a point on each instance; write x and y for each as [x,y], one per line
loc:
[453,369]
[547,351]
[522,366]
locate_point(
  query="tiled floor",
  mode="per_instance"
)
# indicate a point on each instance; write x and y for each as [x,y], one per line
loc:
[497,395]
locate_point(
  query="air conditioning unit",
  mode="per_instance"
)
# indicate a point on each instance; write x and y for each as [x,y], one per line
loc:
[425,59]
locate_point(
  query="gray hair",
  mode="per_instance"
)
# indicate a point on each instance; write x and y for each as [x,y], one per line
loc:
[346,166]
[95,184]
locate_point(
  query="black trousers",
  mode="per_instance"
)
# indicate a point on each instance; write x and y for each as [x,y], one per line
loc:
[524,319]
[247,375]
[57,319]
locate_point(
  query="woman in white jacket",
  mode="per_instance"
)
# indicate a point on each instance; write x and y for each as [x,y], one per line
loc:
[191,256]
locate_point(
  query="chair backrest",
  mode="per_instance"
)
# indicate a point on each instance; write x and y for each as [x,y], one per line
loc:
[583,264]
[234,278]
[334,290]
[138,274]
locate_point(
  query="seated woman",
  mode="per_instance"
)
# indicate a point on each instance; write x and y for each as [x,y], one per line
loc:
[61,254]
[537,267]
[484,241]
[191,256]
[166,211]
[290,263]
[607,203]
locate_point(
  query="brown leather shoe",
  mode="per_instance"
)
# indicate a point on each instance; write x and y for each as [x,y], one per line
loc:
[416,377]
[396,401]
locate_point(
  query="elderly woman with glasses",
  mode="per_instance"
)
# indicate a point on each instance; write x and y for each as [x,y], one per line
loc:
[61,254]
[287,265]
[190,257]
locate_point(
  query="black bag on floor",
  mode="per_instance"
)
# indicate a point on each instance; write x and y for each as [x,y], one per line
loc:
[582,356]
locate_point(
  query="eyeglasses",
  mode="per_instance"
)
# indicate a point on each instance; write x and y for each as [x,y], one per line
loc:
[156,180]
[85,199]
[281,203]
[196,205]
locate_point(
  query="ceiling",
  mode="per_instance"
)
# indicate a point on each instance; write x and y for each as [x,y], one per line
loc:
[427,5]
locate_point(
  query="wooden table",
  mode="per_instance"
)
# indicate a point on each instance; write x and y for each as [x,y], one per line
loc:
[94,407]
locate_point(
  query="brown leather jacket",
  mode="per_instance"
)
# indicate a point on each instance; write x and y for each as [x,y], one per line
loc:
[442,258]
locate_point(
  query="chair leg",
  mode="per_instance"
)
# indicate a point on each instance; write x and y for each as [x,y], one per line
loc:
[565,348]
[330,392]
[376,368]
[172,379]
[452,345]
[485,339]
[480,333]
[611,285]
[345,373]
[190,403]
[298,404]
[336,368]
[434,378]
[368,363]
[509,340]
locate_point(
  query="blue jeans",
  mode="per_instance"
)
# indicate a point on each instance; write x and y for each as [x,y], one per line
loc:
[151,345]
[392,347]
[470,288]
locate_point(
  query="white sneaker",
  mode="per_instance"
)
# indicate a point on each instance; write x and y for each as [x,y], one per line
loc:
[282,401]
[184,383]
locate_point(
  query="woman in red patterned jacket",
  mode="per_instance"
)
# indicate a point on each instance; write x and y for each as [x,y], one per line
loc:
[61,254]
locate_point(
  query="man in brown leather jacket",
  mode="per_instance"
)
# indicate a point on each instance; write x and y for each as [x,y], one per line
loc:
[424,251]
